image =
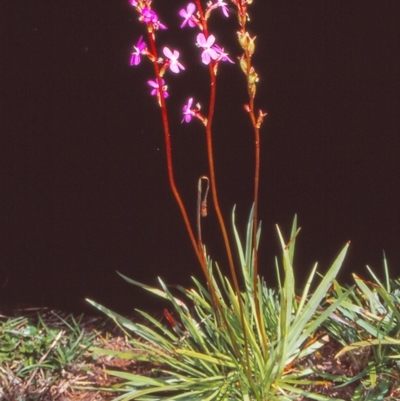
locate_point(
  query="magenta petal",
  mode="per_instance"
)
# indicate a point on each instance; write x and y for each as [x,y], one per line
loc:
[210,40]
[174,68]
[135,59]
[213,54]
[201,40]
[153,84]
[167,52]
[191,8]
[205,57]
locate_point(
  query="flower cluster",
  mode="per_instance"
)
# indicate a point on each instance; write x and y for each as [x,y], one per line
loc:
[211,52]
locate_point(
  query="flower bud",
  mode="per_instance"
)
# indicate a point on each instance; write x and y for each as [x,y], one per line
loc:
[252,78]
[260,118]
[251,46]
[246,42]
[243,64]
[243,39]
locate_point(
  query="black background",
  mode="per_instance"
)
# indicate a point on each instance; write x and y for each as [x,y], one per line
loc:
[84,187]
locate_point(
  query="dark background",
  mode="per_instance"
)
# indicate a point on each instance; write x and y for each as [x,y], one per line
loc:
[84,187]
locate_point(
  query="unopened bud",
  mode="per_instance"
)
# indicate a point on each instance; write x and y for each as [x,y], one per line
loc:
[252,77]
[251,46]
[260,118]
[243,64]
[246,42]
[242,36]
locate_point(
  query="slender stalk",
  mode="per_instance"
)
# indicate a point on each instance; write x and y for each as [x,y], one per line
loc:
[210,153]
[251,90]
[168,148]
[198,247]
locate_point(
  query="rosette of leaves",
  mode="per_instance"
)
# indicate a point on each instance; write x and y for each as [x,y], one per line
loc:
[204,356]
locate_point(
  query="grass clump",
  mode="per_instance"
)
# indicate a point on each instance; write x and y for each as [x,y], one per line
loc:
[36,351]
[204,355]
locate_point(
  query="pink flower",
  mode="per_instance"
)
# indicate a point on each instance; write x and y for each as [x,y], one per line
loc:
[156,91]
[174,65]
[224,6]
[149,16]
[188,113]
[208,52]
[188,15]
[140,48]
[221,54]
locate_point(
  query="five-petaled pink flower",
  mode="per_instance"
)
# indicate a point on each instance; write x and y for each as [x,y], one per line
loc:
[174,65]
[209,52]
[188,113]
[156,90]
[149,16]
[140,48]
[188,15]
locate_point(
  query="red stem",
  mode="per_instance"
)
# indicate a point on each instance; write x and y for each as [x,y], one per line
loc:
[210,153]
[198,246]
[167,136]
